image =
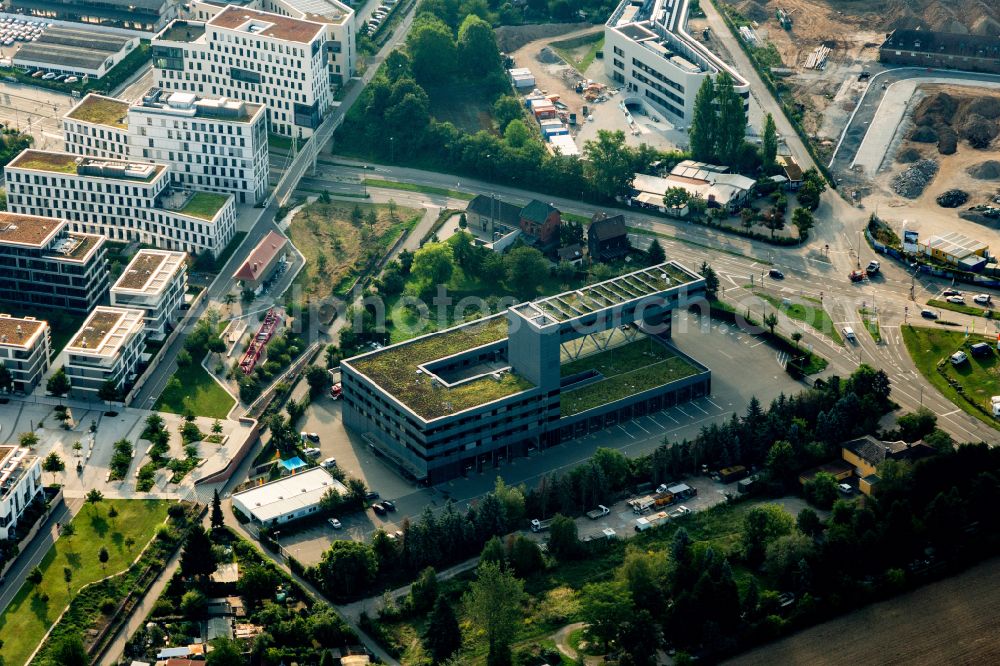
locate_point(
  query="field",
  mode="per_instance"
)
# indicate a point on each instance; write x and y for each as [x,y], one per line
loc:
[907,633]
[466,105]
[970,384]
[33,610]
[811,313]
[338,249]
[198,392]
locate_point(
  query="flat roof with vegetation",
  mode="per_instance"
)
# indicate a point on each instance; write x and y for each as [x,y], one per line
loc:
[101,110]
[625,370]
[204,205]
[396,370]
[46,161]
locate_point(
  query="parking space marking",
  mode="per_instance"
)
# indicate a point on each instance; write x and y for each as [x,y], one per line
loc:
[683,412]
[626,431]
[716,406]
[664,412]
[636,424]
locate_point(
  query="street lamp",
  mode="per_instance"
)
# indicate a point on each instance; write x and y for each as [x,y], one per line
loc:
[392,149]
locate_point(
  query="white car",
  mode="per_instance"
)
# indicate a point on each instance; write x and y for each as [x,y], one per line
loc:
[845,488]
[849,333]
[958,358]
[995,402]
[334,523]
[982,299]
[311,451]
[960,300]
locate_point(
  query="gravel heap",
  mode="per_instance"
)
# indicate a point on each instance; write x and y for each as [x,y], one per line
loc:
[911,183]
[952,198]
[988,170]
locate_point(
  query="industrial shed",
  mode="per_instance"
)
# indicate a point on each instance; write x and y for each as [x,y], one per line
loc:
[75,51]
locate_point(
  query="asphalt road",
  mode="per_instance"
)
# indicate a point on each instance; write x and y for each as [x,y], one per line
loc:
[36,550]
[868,105]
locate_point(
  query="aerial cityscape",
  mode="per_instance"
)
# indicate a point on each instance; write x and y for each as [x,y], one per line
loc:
[499,332]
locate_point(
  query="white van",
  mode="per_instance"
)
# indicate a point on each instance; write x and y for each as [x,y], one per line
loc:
[849,334]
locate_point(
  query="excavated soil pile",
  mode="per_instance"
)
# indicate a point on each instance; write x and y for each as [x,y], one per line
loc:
[988,170]
[946,119]
[952,198]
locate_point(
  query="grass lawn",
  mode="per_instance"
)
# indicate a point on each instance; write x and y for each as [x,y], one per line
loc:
[626,370]
[412,187]
[580,51]
[870,321]
[204,205]
[336,250]
[30,615]
[198,392]
[969,385]
[467,105]
[811,313]
[955,307]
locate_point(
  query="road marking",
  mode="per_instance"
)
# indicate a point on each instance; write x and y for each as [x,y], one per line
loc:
[626,431]
[716,406]
[954,411]
[664,412]
[685,413]
[637,425]
[698,407]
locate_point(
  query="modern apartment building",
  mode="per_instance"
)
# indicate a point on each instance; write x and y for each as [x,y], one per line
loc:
[107,347]
[650,51]
[258,57]
[338,17]
[121,200]
[20,483]
[154,281]
[45,265]
[24,350]
[543,372]
[214,145]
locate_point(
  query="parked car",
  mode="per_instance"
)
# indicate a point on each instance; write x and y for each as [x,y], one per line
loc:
[379,509]
[958,358]
[776,274]
[960,300]
[336,391]
[928,314]
[371,495]
[951,292]
[50,75]
[981,349]
[982,299]
[389,506]
[329,463]
[845,488]
[311,451]
[334,523]
[857,276]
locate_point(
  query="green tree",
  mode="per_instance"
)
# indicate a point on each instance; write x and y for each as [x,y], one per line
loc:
[769,147]
[821,490]
[69,651]
[35,576]
[506,109]
[516,134]
[67,577]
[564,541]
[610,163]
[217,520]
[28,440]
[809,195]
[318,380]
[193,604]
[711,280]
[347,567]
[525,556]
[443,636]
[433,55]
[655,254]
[493,603]
[771,320]
[93,497]
[477,47]
[916,425]
[797,338]
[704,124]
[397,65]
[424,591]
[108,392]
[732,122]
[58,384]
[605,606]
[761,525]
[197,558]
[492,551]
[803,220]
[433,265]
[526,268]
[675,197]
[643,573]
[53,464]
[103,556]
[225,652]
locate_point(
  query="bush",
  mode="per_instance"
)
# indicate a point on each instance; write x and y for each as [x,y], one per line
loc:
[108,605]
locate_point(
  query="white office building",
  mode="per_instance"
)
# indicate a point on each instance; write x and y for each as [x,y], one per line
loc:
[24,350]
[293,497]
[155,282]
[20,483]
[210,144]
[120,200]
[648,49]
[107,347]
[258,57]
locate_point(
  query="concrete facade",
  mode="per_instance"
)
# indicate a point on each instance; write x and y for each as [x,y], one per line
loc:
[20,483]
[25,348]
[154,281]
[647,48]
[106,348]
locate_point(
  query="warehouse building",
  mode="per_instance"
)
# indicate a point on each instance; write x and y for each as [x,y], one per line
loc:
[46,265]
[121,200]
[543,372]
[942,50]
[258,57]
[210,144]
[650,52]
[141,15]
[106,348]
[75,51]
[24,350]
[155,281]
[290,498]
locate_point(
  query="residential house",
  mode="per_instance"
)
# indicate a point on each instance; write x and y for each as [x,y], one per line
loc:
[866,454]
[540,222]
[263,262]
[607,237]
[486,213]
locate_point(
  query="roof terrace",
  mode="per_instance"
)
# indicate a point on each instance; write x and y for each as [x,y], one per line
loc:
[105,331]
[149,271]
[182,31]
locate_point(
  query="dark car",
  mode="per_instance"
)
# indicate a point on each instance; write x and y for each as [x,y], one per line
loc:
[776,274]
[981,349]
[379,509]
[951,292]
[389,506]
[371,495]
[928,314]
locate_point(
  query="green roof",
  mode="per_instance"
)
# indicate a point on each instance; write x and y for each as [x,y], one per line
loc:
[204,205]
[44,161]
[395,369]
[101,111]
[625,370]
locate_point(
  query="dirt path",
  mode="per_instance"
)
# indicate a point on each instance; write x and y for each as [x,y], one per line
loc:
[950,621]
[562,636]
